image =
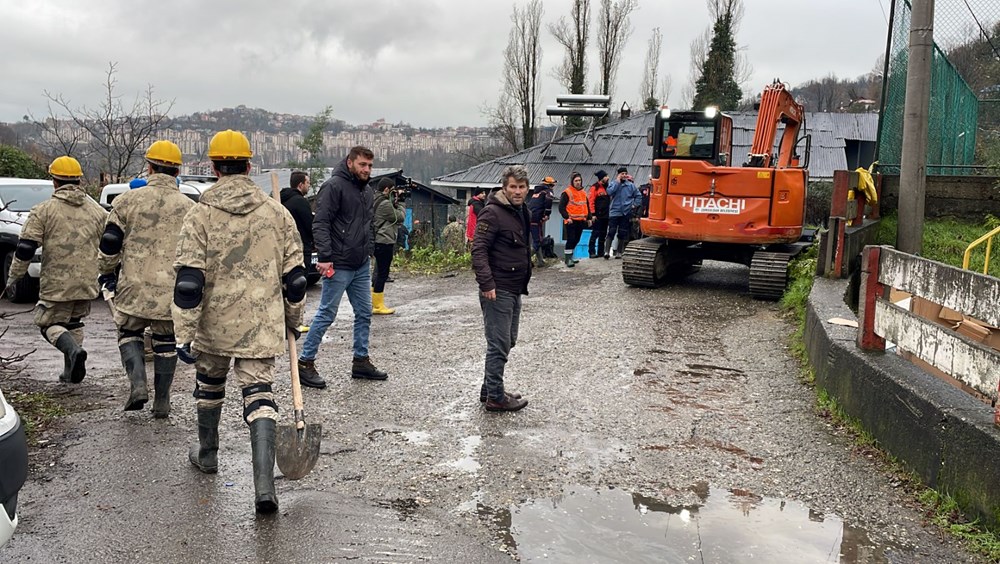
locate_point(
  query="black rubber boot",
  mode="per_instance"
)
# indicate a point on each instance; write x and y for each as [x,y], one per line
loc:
[262,446]
[568,259]
[539,259]
[134,362]
[205,456]
[163,370]
[362,367]
[75,367]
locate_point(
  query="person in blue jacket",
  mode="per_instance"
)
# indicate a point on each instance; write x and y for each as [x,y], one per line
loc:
[625,202]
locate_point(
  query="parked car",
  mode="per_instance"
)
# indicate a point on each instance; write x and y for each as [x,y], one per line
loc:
[192,187]
[13,467]
[17,197]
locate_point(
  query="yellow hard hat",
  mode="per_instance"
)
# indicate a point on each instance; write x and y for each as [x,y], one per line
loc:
[66,168]
[229,144]
[164,153]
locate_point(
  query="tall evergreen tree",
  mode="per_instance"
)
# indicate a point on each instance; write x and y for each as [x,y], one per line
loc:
[717,84]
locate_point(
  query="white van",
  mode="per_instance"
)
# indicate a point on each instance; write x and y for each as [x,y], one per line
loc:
[193,188]
[17,197]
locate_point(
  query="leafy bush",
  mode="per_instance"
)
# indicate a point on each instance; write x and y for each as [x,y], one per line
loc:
[428,260]
[17,164]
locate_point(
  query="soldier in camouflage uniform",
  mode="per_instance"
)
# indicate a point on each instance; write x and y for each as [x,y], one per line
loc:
[68,226]
[453,236]
[141,236]
[240,283]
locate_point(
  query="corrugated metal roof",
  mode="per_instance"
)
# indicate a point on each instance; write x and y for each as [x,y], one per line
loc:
[623,143]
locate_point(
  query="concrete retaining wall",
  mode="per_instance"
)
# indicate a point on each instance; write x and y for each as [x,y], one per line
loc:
[960,196]
[943,435]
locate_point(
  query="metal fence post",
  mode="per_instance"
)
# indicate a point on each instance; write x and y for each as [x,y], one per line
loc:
[871,290]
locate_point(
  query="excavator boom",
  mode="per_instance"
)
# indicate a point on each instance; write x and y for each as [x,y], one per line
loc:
[776,106]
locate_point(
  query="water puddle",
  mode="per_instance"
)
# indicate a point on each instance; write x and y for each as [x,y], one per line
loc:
[420,438]
[586,525]
[468,462]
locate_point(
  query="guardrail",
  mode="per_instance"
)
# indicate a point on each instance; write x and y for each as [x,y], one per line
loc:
[960,338]
[988,239]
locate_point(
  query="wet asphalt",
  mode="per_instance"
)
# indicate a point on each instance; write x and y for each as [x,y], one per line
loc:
[684,398]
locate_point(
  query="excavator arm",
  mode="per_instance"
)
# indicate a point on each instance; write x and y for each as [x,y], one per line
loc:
[776,106]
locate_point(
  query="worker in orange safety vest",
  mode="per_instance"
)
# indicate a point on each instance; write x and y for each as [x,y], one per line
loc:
[577,215]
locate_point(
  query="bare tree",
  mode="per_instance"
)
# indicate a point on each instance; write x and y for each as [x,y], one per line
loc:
[113,132]
[696,64]
[613,31]
[666,87]
[518,103]
[573,35]
[503,123]
[651,72]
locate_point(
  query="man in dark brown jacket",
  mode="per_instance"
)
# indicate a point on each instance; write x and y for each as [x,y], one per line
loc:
[501,256]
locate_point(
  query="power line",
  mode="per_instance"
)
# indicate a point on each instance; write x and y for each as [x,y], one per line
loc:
[883,10]
[986,35]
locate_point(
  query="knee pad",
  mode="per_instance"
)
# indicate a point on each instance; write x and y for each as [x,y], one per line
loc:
[112,240]
[45,331]
[262,399]
[295,285]
[129,336]
[209,388]
[189,287]
[164,345]
[25,249]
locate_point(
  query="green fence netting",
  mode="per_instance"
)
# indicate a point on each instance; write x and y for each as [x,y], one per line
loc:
[954,118]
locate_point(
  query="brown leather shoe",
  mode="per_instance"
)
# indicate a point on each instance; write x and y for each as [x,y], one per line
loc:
[509,403]
[308,376]
[482,394]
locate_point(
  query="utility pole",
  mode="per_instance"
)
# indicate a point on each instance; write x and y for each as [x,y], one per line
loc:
[913,163]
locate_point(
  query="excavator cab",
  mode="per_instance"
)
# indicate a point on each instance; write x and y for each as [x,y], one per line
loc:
[705,136]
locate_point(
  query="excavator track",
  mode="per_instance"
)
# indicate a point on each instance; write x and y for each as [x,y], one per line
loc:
[644,263]
[769,275]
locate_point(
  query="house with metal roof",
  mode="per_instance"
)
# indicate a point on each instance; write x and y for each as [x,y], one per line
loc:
[839,142]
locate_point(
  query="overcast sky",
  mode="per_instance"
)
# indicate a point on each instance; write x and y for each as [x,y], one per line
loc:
[427,62]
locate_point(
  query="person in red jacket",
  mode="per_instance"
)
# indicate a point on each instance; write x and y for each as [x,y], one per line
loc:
[476,203]
[600,206]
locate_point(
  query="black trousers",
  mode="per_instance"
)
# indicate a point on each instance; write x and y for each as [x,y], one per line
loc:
[383,260]
[573,232]
[598,232]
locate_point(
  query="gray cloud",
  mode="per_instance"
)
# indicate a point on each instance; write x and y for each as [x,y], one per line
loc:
[429,62]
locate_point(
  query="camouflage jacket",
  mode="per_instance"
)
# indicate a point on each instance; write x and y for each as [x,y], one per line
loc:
[245,243]
[151,218]
[68,227]
[453,237]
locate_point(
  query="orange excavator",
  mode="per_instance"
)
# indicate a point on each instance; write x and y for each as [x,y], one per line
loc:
[703,208]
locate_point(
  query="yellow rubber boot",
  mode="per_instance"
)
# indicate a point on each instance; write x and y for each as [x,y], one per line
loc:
[378,304]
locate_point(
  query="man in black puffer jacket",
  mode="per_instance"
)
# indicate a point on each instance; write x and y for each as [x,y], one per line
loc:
[501,256]
[294,200]
[342,230]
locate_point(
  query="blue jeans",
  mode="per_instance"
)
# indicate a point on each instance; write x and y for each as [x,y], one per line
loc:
[357,284]
[501,319]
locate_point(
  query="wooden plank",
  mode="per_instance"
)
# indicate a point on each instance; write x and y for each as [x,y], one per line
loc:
[974,294]
[964,359]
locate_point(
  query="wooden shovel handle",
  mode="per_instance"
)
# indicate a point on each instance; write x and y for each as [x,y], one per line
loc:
[293,362]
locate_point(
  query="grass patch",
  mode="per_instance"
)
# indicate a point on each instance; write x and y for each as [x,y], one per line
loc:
[37,411]
[801,273]
[428,260]
[945,240]
[943,511]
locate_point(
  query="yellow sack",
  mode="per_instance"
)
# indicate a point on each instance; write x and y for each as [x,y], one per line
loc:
[866,183]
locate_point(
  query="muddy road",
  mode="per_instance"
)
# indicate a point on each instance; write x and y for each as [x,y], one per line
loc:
[663,426]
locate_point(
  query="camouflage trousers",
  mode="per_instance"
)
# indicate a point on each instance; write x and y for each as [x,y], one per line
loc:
[131,329]
[254,376]
[56,318]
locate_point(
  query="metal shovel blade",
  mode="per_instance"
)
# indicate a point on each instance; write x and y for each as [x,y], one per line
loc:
[297,451]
